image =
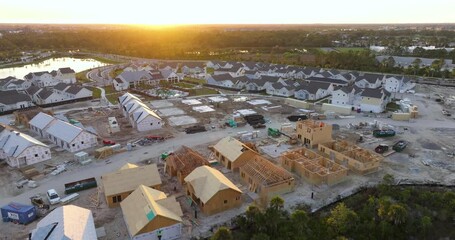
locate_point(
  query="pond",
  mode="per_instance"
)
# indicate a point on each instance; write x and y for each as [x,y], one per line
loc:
[76,64]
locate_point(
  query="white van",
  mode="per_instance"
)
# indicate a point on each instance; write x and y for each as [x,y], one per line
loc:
[53,197]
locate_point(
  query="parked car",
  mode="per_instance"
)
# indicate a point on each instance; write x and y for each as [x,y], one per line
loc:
[53,196]
[108,142]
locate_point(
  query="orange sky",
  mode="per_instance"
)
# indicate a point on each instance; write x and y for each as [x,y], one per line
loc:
[226,12]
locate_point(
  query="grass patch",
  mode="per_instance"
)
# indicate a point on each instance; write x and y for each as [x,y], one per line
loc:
[113,97]
[184,85]
[109,89]
[96,93]
[210,70]
[106,60]
[195,80]
[82,76]
[116,72]
[392,107]
[347,49]
[202,91]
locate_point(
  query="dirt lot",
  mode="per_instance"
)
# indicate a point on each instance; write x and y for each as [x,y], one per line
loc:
[430,138]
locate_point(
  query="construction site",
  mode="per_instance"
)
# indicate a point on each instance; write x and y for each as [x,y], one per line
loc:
[250,141]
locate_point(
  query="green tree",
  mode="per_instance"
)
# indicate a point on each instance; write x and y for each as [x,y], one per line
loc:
[397,214]
[299,221]
[342,219]
[260,236]
[222,233]
[425,224]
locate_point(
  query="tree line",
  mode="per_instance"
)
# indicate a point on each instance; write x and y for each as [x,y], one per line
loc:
[384,212]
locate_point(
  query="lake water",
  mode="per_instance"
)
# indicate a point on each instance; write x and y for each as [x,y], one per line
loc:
[76,64]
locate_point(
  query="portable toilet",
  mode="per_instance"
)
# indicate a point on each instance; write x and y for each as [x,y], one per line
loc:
[18,213]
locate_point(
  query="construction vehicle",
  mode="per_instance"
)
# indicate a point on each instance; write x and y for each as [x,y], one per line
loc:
[383,133]
[38,201]
[382,148]
[399,146]
[273,132]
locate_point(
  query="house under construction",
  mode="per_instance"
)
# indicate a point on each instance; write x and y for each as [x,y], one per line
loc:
[265,178]
[313,167]
[357,159]
[312,133]
[183,162]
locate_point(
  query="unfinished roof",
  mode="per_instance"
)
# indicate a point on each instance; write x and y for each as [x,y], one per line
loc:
[41,120]
[14,143]
[230,148]
[185,160]
[128,166]
[72,223]
[144,204]
[265,172]
[207,182]
[127,180]
[312,124]
[64,131]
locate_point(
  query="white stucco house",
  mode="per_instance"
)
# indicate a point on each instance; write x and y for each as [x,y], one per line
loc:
[19,149]
[139,114]
[41,79]
[119,84]
[66,75]
[62,134]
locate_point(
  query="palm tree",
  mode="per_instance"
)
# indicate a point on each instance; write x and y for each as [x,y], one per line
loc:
[416,65]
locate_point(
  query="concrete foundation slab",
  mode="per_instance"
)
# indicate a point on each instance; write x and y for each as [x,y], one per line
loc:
[203,109]
[161,104]
[191,102]
[218,99]
[275,151]
[181,120]
[246,112]
[259,102]
[170,112]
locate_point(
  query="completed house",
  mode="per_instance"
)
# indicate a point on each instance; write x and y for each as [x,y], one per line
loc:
[369,80]
[41,79]
[190,68]
[66,75]
[345,96]
[232,153]
[119,84]
[20,150]
[374,100]
[279,89]
[209,189]
[135,78]
[317,90]
[120,184]
[149,213]
[12,100]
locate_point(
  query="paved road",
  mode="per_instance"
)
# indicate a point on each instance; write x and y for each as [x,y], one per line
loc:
[98,168]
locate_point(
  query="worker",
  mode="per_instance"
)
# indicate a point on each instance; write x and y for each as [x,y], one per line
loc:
[159,234]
